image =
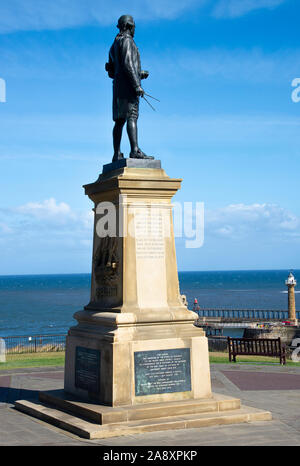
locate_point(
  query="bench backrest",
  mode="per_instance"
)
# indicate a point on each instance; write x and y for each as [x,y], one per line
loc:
[256,346]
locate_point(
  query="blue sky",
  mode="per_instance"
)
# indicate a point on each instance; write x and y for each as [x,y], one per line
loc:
[226,124]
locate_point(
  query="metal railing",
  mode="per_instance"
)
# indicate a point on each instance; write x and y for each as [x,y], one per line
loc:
[34,344]
[255,314]
[54,343]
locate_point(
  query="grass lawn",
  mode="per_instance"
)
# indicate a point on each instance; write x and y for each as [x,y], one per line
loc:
[223,358]
[14,361]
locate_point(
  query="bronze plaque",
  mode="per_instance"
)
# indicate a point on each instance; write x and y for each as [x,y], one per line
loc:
[87,369]
[162,371]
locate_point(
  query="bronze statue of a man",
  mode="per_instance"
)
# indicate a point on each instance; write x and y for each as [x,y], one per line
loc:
[124,67]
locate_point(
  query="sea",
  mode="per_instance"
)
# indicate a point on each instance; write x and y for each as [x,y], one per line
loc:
[45,304]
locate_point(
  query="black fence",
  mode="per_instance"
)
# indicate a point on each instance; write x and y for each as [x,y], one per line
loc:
[251,314]
[34,344]
[54,343]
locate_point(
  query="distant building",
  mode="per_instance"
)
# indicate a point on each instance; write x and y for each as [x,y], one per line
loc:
[291,283]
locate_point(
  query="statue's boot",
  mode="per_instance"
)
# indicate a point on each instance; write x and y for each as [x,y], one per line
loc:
[117,157]
[140,155]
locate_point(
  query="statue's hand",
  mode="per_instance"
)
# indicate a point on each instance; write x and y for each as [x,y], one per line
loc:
[144,74]
[139,91]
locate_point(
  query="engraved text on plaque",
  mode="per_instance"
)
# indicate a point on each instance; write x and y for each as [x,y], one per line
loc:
[87,369]
[162,371]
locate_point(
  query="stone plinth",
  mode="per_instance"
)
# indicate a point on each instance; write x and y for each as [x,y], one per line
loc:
[135,361]
[136,337]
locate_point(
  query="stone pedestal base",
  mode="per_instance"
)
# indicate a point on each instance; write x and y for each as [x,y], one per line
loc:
[135,362]
[93,421]
[140,364]
[294,322]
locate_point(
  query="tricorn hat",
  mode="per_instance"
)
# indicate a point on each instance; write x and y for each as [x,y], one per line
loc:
[125,20]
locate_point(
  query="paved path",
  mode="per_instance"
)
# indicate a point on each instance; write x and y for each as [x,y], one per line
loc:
[271,387]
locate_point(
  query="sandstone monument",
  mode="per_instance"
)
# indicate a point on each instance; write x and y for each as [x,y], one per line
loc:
[135,361]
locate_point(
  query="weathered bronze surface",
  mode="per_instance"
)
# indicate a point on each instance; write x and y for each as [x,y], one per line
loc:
[162,371]
[124,67]
[87,369]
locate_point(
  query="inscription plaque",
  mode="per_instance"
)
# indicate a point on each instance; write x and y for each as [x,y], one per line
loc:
[87,369]
[150,245]
[162,371]
[149,232]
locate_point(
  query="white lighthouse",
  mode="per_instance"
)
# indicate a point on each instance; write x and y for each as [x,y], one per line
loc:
[291,283]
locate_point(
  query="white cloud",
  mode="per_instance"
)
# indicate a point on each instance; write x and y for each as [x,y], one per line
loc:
[41,14]
[46,209]
[34,237]
[236,8]
[46,223]
[49,222]
[239,221]
[23,15]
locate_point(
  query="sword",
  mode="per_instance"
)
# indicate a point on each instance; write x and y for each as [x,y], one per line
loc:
[149,103]
[151,97]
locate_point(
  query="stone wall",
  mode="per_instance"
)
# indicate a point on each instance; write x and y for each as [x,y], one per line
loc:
[287,334]
[218,344]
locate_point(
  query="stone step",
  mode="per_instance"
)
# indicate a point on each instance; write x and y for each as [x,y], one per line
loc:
[100,414]
[90,430]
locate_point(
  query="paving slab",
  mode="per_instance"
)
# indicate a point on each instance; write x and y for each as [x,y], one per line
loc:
[283,401]
[263,380]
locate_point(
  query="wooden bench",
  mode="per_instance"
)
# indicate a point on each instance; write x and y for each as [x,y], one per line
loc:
[256,347]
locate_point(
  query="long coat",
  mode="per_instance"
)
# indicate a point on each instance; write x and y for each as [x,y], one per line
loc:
[125,68]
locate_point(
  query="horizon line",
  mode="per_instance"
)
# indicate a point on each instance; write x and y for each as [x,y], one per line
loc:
[179,271]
